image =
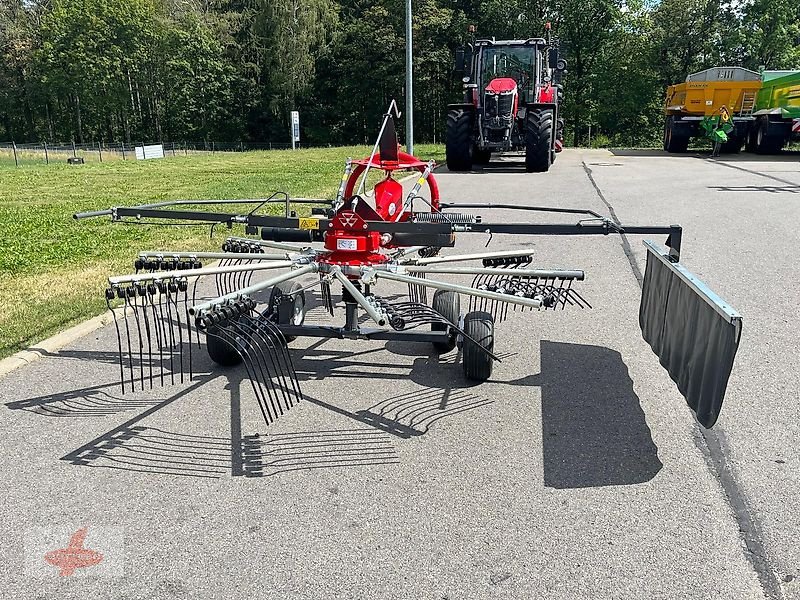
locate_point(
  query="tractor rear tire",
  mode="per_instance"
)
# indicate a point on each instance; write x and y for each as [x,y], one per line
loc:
[221,351]
[538,140]
[458,140]
[447,304]
[291,312]
[477,363]
[674,140]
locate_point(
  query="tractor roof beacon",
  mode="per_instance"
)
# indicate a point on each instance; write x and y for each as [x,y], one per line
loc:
[361,241]
[512,95]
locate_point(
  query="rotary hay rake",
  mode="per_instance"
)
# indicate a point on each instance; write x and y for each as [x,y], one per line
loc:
[384,238]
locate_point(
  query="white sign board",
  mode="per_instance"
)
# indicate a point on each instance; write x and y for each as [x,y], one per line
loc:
[295,126]
[147,152]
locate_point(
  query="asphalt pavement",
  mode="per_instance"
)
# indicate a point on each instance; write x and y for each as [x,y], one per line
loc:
[577,471]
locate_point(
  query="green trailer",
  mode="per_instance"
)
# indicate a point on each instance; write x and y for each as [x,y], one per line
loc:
[777,106]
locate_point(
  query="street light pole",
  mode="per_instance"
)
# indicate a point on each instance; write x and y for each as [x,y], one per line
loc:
[409,84]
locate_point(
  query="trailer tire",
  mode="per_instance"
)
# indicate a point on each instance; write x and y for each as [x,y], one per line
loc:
[447,304]
[458,140]
[538,140]
[674,141]
[732,146]
[478,364]
[221,351]
[288,312]
[763,142]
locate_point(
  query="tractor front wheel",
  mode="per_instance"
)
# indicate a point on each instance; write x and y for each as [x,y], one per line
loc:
[538,140]
[458,140]
[479,327]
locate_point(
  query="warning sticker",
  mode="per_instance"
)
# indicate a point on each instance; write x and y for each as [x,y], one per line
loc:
[309,223]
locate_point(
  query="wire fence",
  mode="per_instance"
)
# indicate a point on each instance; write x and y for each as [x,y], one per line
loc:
[60,153]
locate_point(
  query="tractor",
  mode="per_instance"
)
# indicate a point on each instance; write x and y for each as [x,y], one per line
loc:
[512,93]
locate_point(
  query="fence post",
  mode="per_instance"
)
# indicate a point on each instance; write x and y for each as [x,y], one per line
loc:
[241,146]
[123,150]
[173,149]
[46,158]
[74,154]
[185,149]
[212,147]
[100,150]
[14,146]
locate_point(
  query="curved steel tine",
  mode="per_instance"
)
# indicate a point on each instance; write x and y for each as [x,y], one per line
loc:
[143,289]
[119,345]
[261,331]
[135,307]
[230,280]
[158,318]
[227,337]
[283,346]
[244,330]
[194,301]
[283,352]
[188,328]
[128,338]
[273,368]
[179,327]
[219,277]
[168,324]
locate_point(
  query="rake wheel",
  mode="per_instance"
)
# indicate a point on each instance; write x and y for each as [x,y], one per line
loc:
[447,304]
[220,351]
[287,301]
[479,326]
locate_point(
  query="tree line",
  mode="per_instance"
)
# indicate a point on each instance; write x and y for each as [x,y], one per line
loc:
[132,70]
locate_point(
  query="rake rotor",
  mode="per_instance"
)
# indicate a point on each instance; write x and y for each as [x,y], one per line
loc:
[257,302]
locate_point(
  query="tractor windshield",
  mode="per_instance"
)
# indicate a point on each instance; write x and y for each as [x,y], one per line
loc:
[517,62]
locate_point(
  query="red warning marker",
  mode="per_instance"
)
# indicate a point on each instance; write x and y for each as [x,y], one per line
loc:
[74,556]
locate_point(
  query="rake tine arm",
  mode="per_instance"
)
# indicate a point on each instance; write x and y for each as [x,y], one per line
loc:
[267,283]
[200,272]
[526,273]
[462,257]
[461,289]
[213,255]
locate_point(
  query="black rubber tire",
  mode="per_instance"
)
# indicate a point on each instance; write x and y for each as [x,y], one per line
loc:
[674,141]
[287,313]
[538,140]
[447,304]
[458,140]
[732,146]
[481,157]
[220,351]
[765,143]
[477,363]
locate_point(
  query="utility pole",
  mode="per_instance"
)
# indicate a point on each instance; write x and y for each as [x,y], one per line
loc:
[409,84]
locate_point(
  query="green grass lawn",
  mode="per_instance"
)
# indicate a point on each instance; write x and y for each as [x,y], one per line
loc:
[53,269]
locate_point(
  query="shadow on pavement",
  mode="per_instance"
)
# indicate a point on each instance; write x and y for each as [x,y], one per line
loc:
[772,189]
[784,156]
[594,431]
